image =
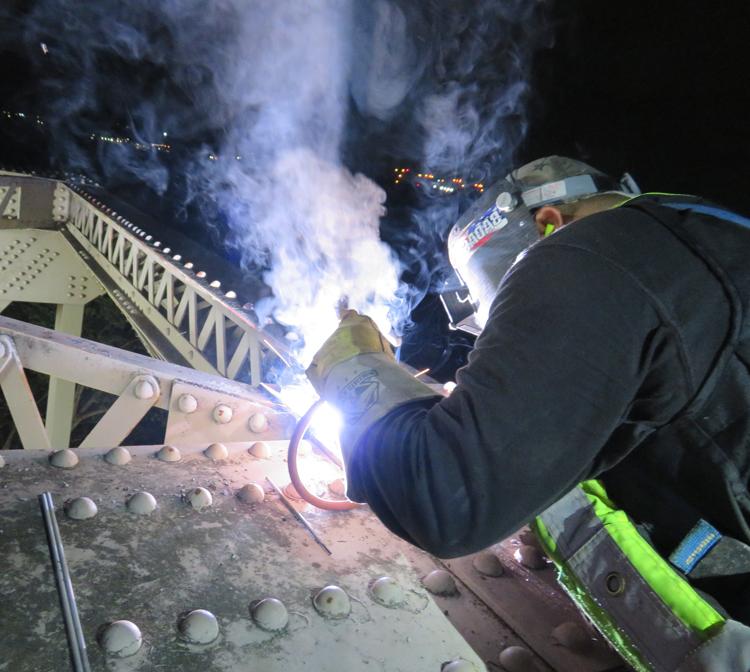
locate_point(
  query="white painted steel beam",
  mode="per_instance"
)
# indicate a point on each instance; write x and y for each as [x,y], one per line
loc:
[126,412]
[20,399]
[61,396]
[113,371]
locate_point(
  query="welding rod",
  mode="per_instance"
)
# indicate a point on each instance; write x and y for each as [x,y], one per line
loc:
[76,642]
[298,516]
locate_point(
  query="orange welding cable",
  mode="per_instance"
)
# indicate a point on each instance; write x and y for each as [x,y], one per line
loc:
[299,432]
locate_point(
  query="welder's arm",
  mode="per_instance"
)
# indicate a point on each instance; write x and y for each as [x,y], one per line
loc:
[566,348]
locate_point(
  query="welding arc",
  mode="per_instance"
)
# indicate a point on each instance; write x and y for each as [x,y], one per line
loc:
[299,432]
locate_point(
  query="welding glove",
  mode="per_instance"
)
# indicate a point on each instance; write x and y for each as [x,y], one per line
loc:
[356,371]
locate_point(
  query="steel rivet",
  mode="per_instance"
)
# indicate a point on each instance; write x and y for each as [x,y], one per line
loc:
[258,423]
[144,389]
[222,414]
[187,403]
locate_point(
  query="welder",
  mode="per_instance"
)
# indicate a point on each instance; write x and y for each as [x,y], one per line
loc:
[606,402]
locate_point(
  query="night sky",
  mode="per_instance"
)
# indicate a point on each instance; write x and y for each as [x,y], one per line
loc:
[659,89]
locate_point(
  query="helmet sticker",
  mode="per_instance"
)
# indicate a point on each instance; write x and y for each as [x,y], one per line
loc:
[480,230]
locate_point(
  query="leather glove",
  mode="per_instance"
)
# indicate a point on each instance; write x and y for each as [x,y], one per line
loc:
[356,335]
[356,371]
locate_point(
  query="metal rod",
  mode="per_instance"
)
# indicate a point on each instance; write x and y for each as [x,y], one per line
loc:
[76,641]
[299,516]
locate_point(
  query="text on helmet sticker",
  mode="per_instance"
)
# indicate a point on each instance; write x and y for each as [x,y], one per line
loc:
[479,231]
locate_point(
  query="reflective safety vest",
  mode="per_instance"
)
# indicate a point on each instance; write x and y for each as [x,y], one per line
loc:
[646,610]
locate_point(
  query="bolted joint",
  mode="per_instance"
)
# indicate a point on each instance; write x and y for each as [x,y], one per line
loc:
[146,387]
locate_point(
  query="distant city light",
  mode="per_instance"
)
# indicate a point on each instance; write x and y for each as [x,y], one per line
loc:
[443,184]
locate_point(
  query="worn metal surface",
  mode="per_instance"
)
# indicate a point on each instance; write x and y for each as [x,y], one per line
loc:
[530,602]
[150,569]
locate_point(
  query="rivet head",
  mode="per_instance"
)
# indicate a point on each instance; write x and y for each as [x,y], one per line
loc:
[141,503]
[119,455]
[187,403]
[269,614]
[80,508]
[222,414]
[338,487]
[251,493]
[144,389]
[387,591]
[216,451]
[200,498]
[120,639]
[440,582]
[199,627]
[258,423]
[530,556]
[488,564]
[63,459]
[332,602]
[169,454]
[260,450]
[517,659]
[573,636]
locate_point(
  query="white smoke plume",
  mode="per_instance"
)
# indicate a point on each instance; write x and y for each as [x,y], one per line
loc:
[275,83]
[289,197]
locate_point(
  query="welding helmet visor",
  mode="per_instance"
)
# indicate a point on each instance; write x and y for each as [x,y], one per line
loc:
[490,236]
[486,241]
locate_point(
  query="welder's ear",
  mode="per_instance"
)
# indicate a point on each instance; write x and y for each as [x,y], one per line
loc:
[548,219]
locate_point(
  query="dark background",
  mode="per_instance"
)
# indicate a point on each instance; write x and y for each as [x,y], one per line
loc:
[658,89]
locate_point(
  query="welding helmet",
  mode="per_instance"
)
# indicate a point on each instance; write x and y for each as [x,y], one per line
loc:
[490,236]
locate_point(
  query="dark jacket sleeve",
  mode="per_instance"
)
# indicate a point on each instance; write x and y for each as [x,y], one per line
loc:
[551,378]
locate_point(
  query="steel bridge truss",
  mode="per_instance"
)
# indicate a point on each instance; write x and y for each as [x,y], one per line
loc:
[61,245]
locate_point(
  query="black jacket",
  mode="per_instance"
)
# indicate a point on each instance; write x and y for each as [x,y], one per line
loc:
[616,348]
